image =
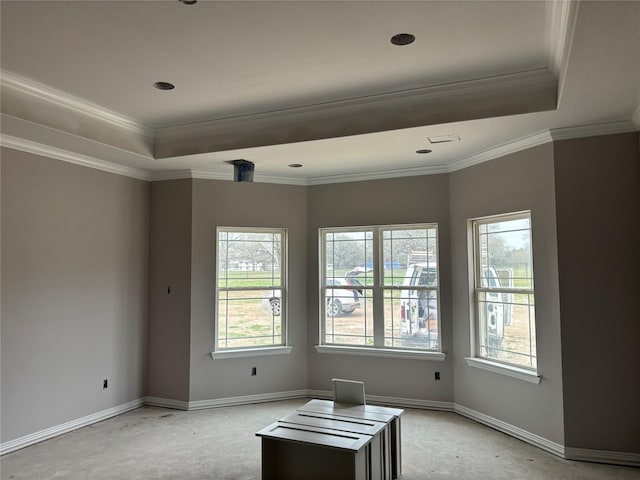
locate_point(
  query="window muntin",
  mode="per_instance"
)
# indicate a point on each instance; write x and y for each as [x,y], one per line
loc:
[250,288]
[379,287]
[504,292]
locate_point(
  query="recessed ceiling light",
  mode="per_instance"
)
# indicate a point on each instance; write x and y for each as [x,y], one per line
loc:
[188,2]
[424,150]
[295,165]
[164,86]
[403,39]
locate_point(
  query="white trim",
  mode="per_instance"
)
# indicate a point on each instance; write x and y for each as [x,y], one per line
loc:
[411,403]
[524,143]
[602,456]
[593,130]
[225,176]
[392,401]
[377,175]
[381,352]
[589,455]
[322,394]
[547,136]
[170,175]
[517,432]
[66,427]
[257,178]
[247,399]
[321,180]
[563,21]
[508,370]
[167,403]
[28,146]
[30,88]
[499,151]
[525,79]
[251,352]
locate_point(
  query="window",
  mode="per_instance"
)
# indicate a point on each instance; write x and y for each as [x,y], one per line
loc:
[380,287]
[251,288]
[505,329]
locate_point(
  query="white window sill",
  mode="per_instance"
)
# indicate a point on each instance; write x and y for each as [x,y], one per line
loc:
[381,352]
[508,370]
[251,352]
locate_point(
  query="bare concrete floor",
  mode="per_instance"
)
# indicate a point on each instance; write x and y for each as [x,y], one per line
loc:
[220,443]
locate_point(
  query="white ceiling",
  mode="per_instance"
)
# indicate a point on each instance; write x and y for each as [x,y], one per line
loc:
[311,82]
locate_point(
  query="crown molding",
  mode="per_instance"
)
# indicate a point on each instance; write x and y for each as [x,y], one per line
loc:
[257,178]
[527,79]
[29,88]
[541,138]
[224,176]
[518,145]
[593,130]
[377,175]
[562,26]
[70,157]
[553,134]
[170,175]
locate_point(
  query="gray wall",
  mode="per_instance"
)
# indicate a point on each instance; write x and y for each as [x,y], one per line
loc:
[598,210]
[170,289]
[521,181]
[380,202]
[223,203]
[74,291]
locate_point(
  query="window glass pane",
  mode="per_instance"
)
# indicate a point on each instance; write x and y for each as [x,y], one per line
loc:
[507,328]
[250,288]
[248,259]
[349,273]
[505,318]
[403,248]
[349,257]
[249,318]
[349,316]
[505,255]
[411,319]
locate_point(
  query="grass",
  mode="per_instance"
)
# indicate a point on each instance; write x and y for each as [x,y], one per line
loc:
[249,279]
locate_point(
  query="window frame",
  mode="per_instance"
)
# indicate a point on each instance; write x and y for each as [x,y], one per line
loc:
[253,350]
[528,373]
[377,290]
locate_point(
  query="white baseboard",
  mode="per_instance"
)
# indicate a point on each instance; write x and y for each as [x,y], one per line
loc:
[226,401]
[602,456]
[587,455]
[66,427]
[166,403]
[517,432]
[246,399]
[391,401]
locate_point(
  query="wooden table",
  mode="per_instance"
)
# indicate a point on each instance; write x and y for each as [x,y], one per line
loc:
[327,440]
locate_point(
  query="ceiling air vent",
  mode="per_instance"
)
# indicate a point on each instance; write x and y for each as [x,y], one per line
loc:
[453,137]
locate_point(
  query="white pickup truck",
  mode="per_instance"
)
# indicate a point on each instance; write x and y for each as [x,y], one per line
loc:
[419,308]
[497,307]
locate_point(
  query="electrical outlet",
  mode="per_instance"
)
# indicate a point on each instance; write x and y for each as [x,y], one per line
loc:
[105,383]
[437,376]
[254,371]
